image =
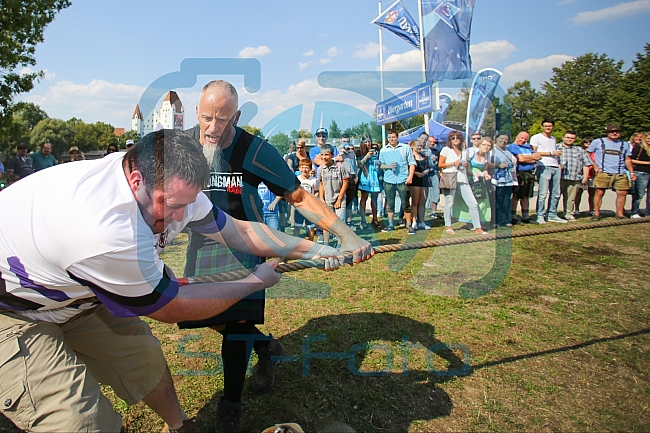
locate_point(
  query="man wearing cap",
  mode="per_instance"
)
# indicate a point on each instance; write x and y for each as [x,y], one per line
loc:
[21,164]
[239,161]
[314,152]
[70,306]
[349,159]
[129,144]
[44,158]
[613,169]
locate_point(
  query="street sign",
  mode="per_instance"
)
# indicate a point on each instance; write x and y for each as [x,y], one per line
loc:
[415,101]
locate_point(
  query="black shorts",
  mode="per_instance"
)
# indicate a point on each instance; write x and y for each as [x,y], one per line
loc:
[526,187]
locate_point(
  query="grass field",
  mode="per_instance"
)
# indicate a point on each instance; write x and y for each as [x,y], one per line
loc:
[556,329]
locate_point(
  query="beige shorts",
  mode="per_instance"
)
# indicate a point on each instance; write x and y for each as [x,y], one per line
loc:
[617,182]
[50,373]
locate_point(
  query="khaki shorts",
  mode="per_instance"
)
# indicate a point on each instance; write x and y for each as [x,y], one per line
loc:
[617,182]
[49,372]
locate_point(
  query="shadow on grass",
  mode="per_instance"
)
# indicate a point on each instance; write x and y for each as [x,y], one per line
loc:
[371,371]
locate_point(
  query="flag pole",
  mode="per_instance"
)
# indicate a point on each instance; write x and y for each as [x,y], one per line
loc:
[424,68]
[381,77]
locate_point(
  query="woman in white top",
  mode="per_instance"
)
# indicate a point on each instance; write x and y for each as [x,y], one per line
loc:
[453,159]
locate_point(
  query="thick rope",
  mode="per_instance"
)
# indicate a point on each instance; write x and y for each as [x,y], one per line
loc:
[499,234]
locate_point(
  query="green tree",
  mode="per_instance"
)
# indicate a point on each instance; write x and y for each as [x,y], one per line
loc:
[558,131]
[30,113]
[128,135]
[521,98]
[22,24]
[55,131]
[629,104]
[578,92]
[334,130]
[253,130]
[280,141]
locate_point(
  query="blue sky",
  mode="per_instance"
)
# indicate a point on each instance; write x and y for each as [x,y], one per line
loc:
[100,56]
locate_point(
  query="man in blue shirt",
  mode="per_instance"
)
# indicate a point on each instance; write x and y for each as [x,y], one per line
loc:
[526,160]
[398,163]
[314,153]
[613,169]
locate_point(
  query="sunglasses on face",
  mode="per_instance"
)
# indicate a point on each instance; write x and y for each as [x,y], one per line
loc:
[300,147]
[321,136]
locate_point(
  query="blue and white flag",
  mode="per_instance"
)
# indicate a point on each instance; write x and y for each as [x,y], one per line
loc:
[397,19]
[446,25]
[480,98]
[444,100]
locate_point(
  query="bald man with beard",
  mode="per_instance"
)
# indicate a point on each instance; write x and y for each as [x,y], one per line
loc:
[526,160]
[239,162]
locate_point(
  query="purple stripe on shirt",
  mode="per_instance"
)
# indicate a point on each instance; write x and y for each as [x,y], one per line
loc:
[214,222]
[16,266]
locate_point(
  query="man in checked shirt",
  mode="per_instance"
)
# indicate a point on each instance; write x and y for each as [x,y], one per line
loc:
[575,164]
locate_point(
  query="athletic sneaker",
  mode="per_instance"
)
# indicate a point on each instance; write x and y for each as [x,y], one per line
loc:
[556,219]
[411,230]
[400,224]
[423,226]
[541,220]
[189,426]
[569,217]
[388,229]
[635,216]
[265,372]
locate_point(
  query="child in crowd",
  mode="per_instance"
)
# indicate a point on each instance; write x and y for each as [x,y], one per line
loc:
[333,184]
[309,183]
[269,206]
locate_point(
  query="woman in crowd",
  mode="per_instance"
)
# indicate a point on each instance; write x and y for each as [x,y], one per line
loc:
[420,185]
[112,148]
[504,178]
[591,190]
[641,163]
[478,177]
[636,139]
[369,179]
[291,158]
[453,162]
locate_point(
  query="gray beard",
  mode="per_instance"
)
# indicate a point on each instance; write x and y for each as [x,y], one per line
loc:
[214,155]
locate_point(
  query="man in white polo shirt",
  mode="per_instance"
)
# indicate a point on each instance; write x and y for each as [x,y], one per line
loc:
[549,173]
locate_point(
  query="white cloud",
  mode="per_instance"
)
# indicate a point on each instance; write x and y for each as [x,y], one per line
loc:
[334,51]
[367,51]
[262,50]
[308,53]
[303,65]
[621,10]
[98,100]
[325,61]
[535,70]
[487,53]
[408,61]
[273,102]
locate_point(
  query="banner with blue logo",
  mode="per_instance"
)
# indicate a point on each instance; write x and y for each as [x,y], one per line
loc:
[480,98]
[397,19]
[446,25]
[444,100]
[414,101]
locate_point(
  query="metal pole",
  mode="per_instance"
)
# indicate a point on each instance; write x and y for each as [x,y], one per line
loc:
[381,77]
[424,68]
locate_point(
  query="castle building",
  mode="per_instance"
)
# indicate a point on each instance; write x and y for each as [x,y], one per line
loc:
[170,116]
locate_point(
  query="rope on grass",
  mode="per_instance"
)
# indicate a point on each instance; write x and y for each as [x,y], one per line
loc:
[499,234]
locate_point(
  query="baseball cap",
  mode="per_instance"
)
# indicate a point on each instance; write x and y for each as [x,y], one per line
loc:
[74,149]
[613,127]
[129,143]
[322,131]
